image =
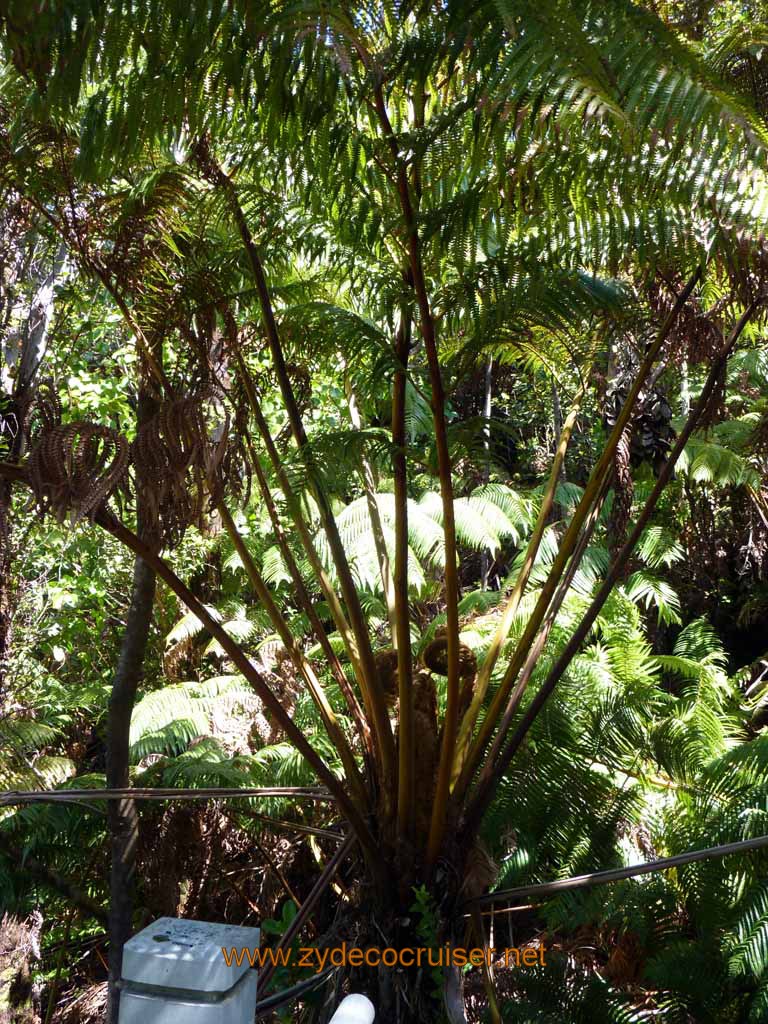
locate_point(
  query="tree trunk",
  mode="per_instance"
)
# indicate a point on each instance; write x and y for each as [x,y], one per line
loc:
[122,814]
[123,817]
[18,372]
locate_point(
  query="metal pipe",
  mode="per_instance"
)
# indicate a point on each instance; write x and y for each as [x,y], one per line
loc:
[10,797]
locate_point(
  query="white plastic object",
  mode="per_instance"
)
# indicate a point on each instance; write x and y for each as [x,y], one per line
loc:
[174,972]
[355,1009]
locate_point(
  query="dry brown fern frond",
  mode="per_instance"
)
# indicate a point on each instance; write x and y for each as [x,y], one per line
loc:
[695,336]
[715,411]
[184,463]
[480,873]
[74,468]
[47,406]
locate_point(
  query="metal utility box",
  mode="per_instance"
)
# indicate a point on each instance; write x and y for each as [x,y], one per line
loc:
[174,972]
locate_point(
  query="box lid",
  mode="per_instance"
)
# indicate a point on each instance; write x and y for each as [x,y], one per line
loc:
[183,954]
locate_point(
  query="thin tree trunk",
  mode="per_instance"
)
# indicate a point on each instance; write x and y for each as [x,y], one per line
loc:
[34,336]
[122,815]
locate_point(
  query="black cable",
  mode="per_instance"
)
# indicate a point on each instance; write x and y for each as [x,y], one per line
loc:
[615,874]
[288,995]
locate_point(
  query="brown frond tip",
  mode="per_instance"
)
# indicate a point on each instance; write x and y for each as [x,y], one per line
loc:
[201,154]
[47,406]
[715,411]
[695,336]
[184,463]
[74,468]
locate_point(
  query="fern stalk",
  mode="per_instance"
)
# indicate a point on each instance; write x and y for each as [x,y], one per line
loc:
[484,792]
[588,499]
[249,672]
[378,707]
[540,642]
[512,605]
[437,402]
[337,611]
[369,489]
[306,601]
[406,749]
[331,723]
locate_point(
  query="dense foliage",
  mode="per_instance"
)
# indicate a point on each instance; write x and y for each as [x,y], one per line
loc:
[385,406]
